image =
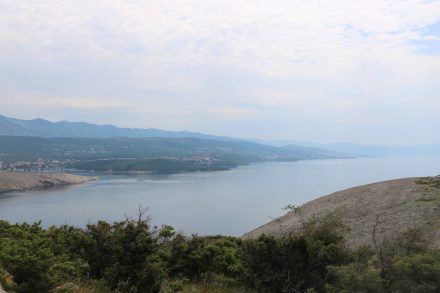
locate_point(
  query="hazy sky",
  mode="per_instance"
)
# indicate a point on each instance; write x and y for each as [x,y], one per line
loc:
[329,70]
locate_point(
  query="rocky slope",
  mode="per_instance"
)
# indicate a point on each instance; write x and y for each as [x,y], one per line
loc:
[392,206]
[10,181]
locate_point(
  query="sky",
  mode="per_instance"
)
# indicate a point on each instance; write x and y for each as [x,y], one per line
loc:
[323,71]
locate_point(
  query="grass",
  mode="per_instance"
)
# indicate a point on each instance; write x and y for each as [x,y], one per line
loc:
[429,181]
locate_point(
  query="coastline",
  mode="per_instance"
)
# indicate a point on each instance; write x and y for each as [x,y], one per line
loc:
[12,181]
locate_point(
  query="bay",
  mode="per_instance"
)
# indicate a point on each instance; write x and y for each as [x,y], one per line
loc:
[228,202]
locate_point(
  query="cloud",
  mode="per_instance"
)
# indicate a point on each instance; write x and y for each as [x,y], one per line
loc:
[269,63]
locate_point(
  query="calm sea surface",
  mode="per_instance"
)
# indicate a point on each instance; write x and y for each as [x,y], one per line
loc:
[230,202]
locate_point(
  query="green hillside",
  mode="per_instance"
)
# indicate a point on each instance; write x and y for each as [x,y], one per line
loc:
[150,154]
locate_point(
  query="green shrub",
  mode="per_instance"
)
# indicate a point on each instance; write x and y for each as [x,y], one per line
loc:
[132,256]
[299,261]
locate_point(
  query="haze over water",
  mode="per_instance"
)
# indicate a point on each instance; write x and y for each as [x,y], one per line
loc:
[231,202]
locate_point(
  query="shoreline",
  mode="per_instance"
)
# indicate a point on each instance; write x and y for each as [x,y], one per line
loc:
[12,181]
[141,172]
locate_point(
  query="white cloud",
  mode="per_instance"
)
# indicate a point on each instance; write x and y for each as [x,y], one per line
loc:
[339,60]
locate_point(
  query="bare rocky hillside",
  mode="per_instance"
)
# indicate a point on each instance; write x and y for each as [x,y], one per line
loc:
[10,181]
[392,206]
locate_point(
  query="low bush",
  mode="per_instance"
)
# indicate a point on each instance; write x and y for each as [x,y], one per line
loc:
[132,256]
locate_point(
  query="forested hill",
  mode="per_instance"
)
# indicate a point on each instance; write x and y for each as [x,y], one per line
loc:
[151,154]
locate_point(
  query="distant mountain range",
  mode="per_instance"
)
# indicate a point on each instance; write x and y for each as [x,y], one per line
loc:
[364,150]
[44,128]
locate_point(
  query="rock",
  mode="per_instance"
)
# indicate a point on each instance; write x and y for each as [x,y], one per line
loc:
[10,181]
[394,206]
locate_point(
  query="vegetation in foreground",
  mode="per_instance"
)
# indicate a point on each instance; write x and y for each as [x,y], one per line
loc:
[132,256]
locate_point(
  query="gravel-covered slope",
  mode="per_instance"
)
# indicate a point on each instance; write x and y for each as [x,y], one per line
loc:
[393,205]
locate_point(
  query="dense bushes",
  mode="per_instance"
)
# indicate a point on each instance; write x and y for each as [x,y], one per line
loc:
[39,259]
[296,262]
[405,264]
[123,254]
[132,256]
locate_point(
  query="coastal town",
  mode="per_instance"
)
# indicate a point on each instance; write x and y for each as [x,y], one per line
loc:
[53,165]
[39,165]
